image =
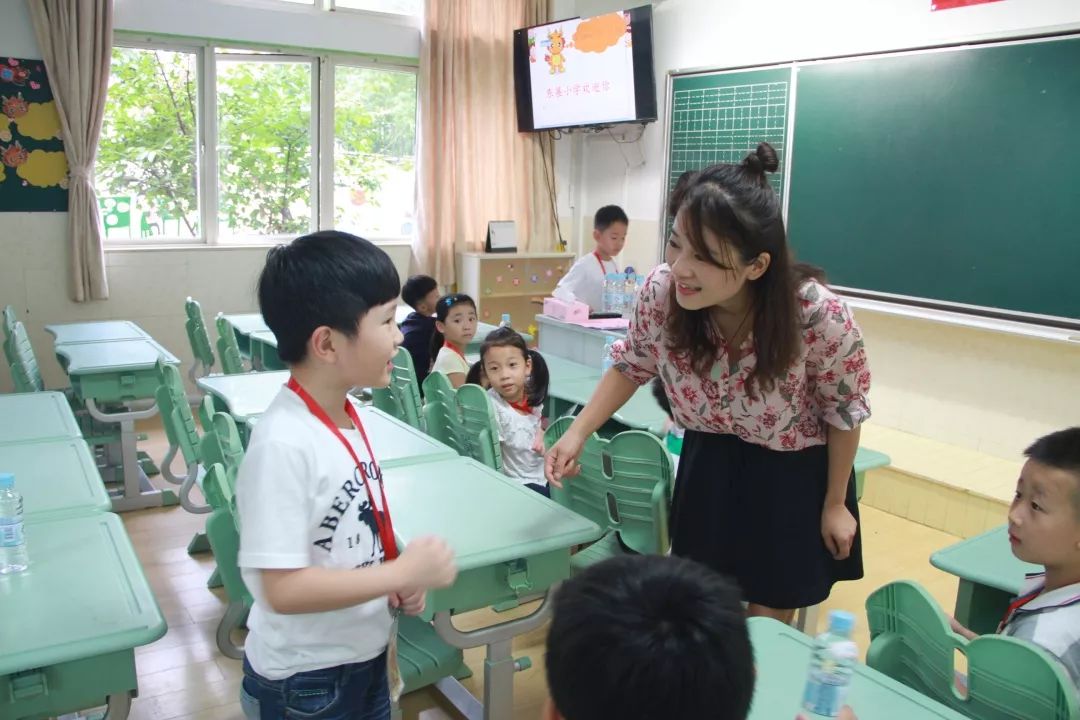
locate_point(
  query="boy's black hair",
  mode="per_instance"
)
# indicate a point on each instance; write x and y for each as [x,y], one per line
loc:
[641,637]
[417,288]
[657,387]
[1060,450]
[326,278]
[536,387]
[442,309]
[475,374]
[607,216]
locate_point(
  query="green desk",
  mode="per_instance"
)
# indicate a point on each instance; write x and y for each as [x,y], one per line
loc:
[865,461]
[243,324]
[641,411]
[104,331]
[244,396]
[32,417]
[263,348]
[119,372]
[510,543]
[562,370]
[782,657]
[990,577]
[73,620]
[57,478]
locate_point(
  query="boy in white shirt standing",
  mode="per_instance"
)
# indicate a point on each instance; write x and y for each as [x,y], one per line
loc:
[317,546]
[586,276]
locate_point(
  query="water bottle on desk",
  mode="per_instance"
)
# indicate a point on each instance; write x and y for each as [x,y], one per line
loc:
[611,299]
[831,667]
[505,322]
[606,362]
[13,557]
[629,293]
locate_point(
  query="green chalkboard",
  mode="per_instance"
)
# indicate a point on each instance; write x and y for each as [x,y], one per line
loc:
[947,176]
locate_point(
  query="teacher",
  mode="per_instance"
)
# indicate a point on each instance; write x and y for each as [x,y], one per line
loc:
[765,369]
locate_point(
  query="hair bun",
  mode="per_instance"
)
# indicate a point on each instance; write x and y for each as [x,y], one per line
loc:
[762,160]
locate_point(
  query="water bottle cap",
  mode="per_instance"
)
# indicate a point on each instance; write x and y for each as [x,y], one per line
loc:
[7,480]
[506,316]
[841,622]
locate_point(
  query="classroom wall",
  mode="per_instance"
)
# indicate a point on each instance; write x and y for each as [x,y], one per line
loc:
[976,389]
[149,286]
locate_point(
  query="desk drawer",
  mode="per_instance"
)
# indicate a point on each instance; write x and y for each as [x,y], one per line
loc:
[67,687]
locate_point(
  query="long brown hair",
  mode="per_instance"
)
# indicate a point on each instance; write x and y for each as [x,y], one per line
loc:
[739,206]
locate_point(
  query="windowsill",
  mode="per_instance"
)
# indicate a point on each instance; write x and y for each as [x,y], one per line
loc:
[183,247]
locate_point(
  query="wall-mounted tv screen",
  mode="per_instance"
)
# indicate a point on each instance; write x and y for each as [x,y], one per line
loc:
[585,71]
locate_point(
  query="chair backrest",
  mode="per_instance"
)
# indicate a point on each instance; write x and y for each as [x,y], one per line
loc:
[176,415]
[228,350]
[479,426]
[401,398]
[206,411]
[624,485]
[442,420]
[911,642]
[199,338]
[9,320]
[221,443]
[221,529]
[24,367]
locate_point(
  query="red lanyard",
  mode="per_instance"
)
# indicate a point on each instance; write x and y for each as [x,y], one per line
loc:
[382,517]
[1016,605]
[603,270]
[448,344]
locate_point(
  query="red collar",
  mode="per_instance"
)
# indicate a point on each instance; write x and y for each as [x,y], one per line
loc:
[522,405]
[448,344]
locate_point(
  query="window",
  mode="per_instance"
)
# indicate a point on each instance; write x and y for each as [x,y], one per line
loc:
[202,144]
[395,7]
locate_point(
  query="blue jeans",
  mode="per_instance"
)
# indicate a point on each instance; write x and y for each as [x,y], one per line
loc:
[357,691]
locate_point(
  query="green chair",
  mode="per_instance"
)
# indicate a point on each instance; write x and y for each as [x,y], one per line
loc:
[24,367]
[479,426]
[624,485]
[401,399]
[228,350]
[183,434]
[9,319]
[201,349]
[912,642]
[442,420]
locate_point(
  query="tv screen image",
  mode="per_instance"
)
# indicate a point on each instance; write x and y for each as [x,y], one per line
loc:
[585,71]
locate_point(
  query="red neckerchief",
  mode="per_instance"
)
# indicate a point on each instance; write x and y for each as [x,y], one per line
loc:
[1016,605]
[382,517]
[448,344]
[522,405]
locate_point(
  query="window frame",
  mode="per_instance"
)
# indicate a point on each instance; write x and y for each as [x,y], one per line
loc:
[323,69]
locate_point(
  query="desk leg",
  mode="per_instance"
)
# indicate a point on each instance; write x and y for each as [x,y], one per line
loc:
[134,496]
[119,706]
[980,608]
[500,666]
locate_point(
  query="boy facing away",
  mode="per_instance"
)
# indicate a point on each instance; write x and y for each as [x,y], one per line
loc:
[317,547]
[420,292]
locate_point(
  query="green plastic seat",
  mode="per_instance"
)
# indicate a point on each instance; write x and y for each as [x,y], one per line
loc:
[221,530]
[624,485]
[201,349]
[479,426]
[182,432]
[1008,678]
[401,399]
[442,420]
[229,352]
[24,368]
[9,320]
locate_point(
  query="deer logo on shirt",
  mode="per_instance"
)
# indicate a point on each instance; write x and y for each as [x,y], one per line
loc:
[350,532]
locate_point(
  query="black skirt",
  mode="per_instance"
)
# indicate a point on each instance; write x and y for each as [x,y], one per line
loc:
[754,514]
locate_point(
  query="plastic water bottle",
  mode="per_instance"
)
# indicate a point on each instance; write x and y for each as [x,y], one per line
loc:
[606,362]
[674,440]
[831,667]
[611,299]
[13,557]
[505,322]
[629,293]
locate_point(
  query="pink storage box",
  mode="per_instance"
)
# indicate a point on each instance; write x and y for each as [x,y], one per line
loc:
[573,312]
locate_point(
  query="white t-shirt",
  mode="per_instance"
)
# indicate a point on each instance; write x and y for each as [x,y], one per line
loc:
[301,502]
[448,361]
[586,279]
[517,434]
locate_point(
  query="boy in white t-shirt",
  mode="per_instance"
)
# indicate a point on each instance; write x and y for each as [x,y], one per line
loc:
[586,276]
[317,547]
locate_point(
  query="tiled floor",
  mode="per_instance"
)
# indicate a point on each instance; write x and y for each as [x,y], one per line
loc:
[183,675]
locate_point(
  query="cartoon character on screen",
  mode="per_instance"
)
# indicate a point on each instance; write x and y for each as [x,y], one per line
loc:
[555,59]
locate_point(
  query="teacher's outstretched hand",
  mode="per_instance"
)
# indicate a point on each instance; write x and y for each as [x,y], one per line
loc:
[561,461]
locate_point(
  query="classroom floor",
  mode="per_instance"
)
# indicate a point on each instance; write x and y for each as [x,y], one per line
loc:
[182,676]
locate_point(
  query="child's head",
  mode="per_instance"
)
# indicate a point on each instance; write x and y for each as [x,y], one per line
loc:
[329,298]
[421,292]
[609,230]
[1044,520]
[657,387]
[455,322]
[512,369]
[476,376]
[647,636]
